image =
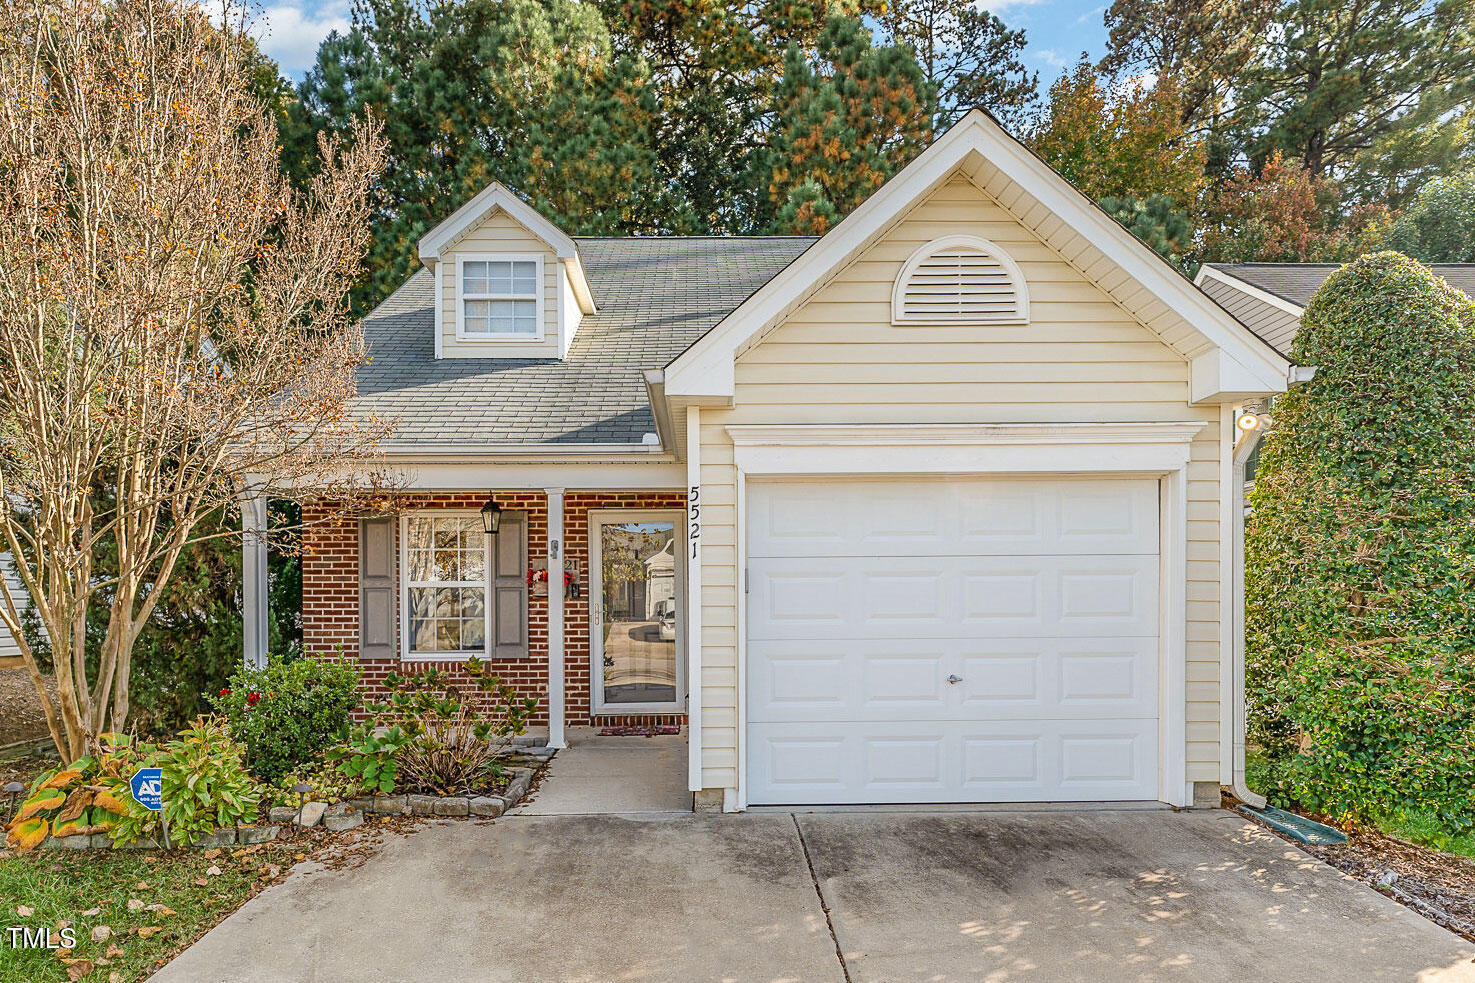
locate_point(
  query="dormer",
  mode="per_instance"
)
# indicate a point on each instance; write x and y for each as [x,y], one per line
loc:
[509,283]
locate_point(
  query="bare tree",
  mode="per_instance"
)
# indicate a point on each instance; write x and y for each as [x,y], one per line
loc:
[173,322]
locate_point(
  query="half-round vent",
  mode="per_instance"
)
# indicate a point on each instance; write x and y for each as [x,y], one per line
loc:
[960,280]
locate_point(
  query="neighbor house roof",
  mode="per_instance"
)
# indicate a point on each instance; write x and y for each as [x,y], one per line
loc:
[1270,297]
[655,296]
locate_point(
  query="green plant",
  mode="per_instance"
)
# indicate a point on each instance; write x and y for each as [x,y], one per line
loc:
[369,757]
[86,796]
[205,786]
[455,733]
[285,714]
[1360,553]
[325,784]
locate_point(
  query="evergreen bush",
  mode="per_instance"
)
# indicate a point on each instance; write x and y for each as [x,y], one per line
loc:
[287,714]
[1360,553]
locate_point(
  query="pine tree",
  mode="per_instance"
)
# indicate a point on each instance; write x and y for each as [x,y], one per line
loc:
[968,55]
[524,92]
[847,121]
[1335,81]
[1159,223]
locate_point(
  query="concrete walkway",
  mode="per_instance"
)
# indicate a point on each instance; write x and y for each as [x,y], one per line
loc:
[598,775]
[829,898]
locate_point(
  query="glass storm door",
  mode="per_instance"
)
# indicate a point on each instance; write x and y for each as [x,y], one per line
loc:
[635,613]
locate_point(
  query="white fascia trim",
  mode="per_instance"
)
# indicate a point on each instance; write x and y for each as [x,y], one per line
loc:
[706,370]
[573,268]
[1207,272]
[998,448]
[494,196]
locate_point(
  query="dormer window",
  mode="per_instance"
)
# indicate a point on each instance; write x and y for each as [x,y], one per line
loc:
[500,297]
[960,280]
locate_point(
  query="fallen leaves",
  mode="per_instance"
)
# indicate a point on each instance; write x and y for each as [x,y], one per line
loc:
[146,931]
[134,904]
[101,933]
[78,968]
[23,911]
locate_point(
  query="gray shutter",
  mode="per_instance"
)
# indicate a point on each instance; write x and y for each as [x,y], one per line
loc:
[376,589]
[510,588]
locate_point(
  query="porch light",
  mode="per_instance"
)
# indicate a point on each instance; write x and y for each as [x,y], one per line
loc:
[1249,421]
[491,517]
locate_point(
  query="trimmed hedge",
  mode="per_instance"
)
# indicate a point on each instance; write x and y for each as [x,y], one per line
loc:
[1360,553]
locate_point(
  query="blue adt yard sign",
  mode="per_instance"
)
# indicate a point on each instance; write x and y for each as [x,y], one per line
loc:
[148,788]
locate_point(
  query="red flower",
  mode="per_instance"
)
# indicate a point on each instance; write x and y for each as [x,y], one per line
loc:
[252,699]
[225,692]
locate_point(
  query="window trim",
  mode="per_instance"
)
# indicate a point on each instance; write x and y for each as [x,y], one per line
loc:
[406,655]
[927,250]
[540,291]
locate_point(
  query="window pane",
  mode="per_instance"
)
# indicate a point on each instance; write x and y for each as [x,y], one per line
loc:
[473,564]
[446,567]
[471,602]
[448,602]
[421,568]
[474,277]
[420,601]
[448,636]
[524,277]
[422,635]
[473,634]
[419,530]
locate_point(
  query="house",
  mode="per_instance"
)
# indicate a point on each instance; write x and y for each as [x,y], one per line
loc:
[949,492]
[1271,297]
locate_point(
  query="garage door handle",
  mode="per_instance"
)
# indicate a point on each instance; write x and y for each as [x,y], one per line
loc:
[955,679]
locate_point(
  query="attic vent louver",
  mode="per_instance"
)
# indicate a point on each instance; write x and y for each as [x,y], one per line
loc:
[960,280]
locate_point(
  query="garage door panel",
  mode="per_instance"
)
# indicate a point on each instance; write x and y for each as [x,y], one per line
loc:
[940,518]
[985,761]
[930,596]
[999,679]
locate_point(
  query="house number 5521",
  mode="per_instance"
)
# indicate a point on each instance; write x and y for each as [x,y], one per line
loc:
[694,518]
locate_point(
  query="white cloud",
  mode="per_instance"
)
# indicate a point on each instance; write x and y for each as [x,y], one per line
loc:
[1050,57]
[1091,16]
[1000,7]
[291,32]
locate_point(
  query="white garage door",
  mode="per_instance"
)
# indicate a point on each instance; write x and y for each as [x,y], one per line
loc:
[952,641]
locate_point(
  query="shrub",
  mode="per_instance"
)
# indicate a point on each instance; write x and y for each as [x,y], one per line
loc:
[205,785]
[1361,548]
[285,715]
[454,734]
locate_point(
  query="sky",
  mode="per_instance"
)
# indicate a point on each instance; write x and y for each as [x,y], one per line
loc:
[1057,31]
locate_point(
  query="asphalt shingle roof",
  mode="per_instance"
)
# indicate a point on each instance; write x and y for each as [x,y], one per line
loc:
[655,297]
[1296,282]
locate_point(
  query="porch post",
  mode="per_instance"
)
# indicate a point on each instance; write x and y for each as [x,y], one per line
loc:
[555,618]
[253,579]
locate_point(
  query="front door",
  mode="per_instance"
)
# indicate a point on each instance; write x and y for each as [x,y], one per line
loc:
[636,612]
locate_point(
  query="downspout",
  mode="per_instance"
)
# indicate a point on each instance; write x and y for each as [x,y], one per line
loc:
[1243,448]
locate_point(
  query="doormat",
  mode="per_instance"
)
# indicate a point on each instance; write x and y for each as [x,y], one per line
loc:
[658,730]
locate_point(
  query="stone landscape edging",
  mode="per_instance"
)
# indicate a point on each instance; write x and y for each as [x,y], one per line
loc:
[337,817]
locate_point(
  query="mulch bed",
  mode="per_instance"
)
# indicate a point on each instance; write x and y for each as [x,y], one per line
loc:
[21,716]
[1439,886]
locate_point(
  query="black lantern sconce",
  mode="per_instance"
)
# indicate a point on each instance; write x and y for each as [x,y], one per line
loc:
[491,517]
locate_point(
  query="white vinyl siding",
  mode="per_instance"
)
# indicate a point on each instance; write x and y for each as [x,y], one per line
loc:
[839,359]
[498,237]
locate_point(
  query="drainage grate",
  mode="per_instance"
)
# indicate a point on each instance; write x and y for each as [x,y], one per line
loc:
[1298,828]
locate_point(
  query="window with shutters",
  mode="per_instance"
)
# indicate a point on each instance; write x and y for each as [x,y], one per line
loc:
[500,297]
[445,585]
[960,280]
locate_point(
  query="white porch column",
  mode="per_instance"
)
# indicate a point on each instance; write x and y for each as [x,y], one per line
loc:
[253,580]
[555,618]
[694,598]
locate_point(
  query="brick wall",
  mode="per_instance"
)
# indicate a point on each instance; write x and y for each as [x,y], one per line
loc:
[330,594]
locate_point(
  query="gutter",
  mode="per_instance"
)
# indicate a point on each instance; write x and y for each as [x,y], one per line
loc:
[546,453]
[660,409]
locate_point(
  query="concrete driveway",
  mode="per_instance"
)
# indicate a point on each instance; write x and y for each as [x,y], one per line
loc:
[857,897]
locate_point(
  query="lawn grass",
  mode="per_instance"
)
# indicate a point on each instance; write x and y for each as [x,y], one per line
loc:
[67,885]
